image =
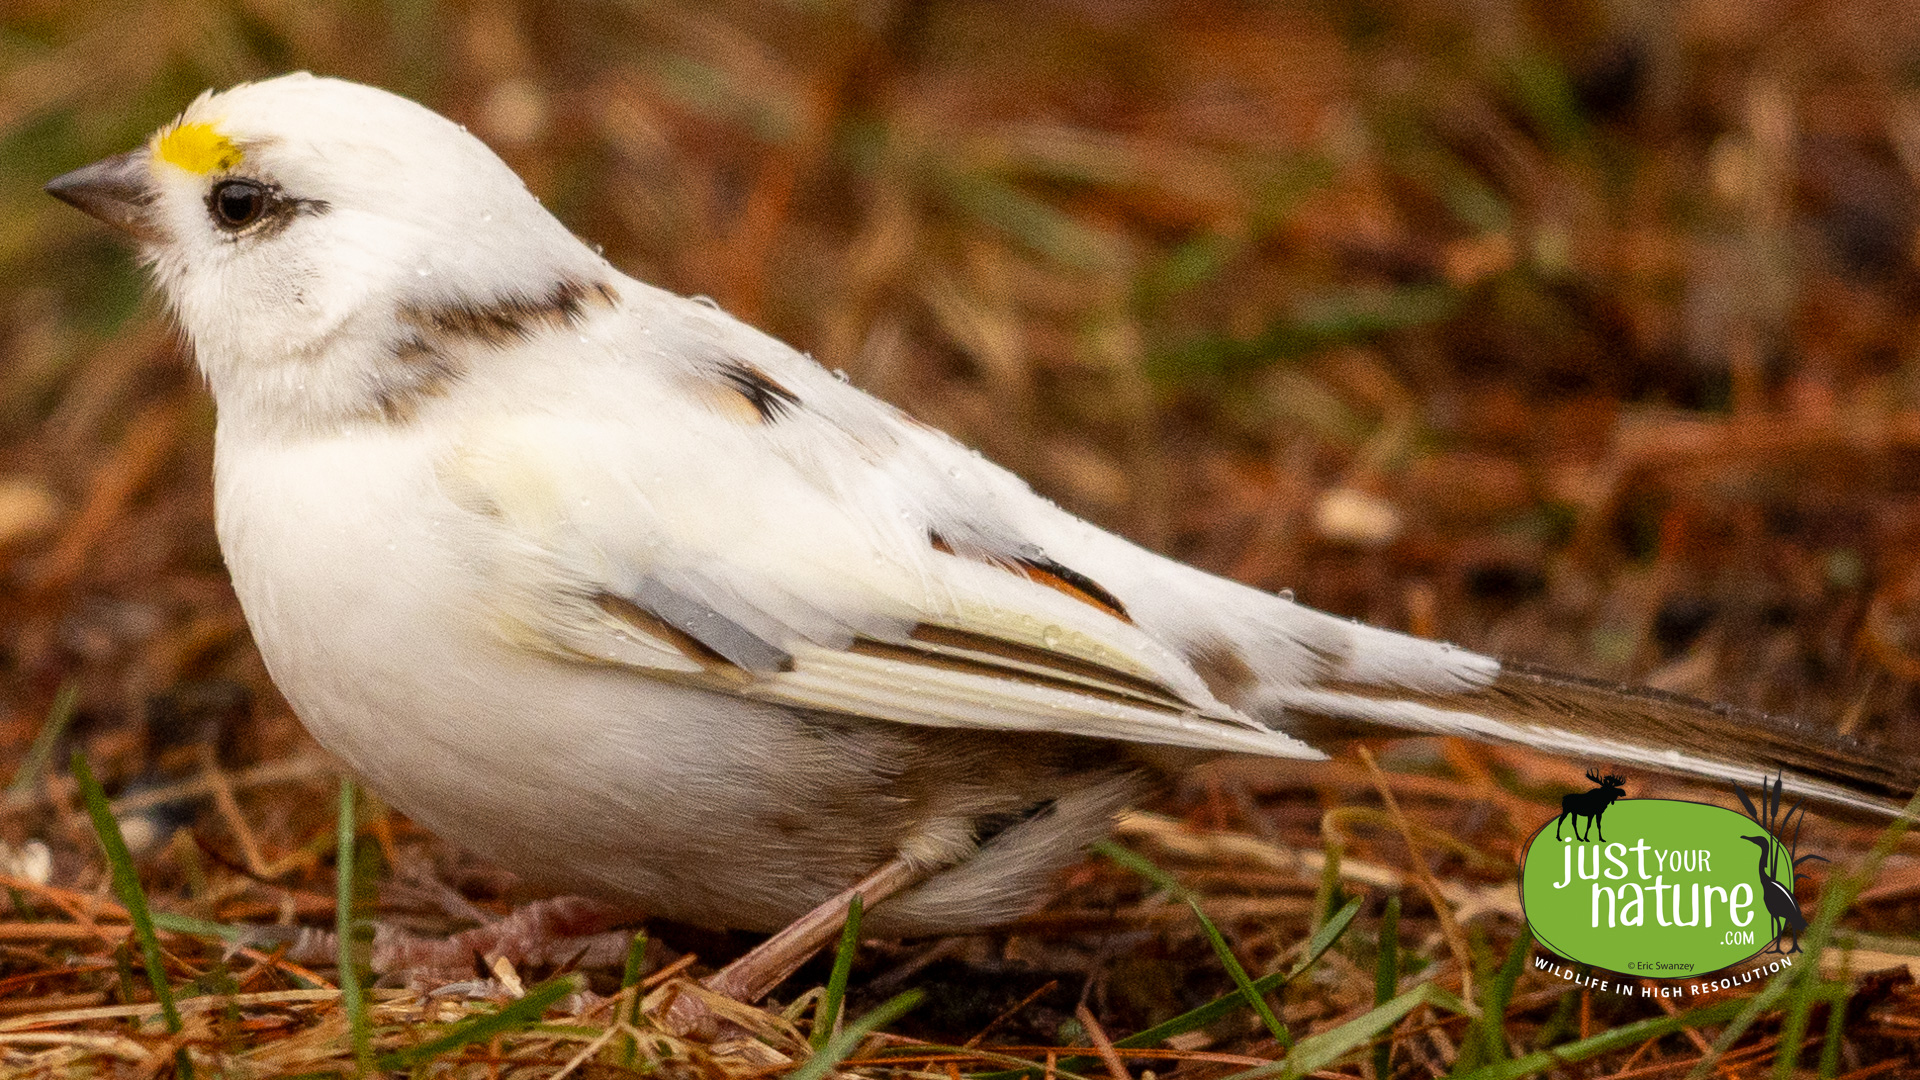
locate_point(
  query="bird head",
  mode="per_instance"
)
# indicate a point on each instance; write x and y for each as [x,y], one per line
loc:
[1761,840]
[286,218]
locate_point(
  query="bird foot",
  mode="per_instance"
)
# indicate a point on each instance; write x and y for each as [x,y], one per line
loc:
[564,930]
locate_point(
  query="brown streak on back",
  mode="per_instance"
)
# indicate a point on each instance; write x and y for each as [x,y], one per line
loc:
[769,400]
[514,317]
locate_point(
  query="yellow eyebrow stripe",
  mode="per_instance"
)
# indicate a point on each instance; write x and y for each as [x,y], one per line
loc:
[197,148]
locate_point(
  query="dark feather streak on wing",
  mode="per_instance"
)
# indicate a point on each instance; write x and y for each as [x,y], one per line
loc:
[698,631]
[768,398]
[1036,566]
[1065,579]
[1042,665]
[710,628]
[987,666]
[661,630]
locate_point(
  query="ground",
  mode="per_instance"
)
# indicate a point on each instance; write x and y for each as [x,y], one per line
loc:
[1577,333]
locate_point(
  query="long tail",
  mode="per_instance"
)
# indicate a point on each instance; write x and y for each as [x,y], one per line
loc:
[1319,678]
[1596,722]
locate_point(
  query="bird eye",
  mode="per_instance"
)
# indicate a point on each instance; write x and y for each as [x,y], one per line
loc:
[237,203]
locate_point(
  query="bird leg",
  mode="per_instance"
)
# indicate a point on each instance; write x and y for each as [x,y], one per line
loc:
[768,964]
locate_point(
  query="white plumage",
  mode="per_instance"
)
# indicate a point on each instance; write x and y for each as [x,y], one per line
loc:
[642,602]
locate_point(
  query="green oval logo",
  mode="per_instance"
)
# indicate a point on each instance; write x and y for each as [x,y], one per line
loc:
[1675,888]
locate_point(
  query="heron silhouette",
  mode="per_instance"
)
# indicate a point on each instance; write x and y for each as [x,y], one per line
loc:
[1779,899]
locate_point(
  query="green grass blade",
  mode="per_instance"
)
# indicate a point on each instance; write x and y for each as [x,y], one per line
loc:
[827,1013]
[842,1046]
[40,754]
[1248,990]
[1316,1052]
[126,886]
[630,978]
[1386,980]
[1617,1038]
[187,924]
[1492,1024]
[513,1017]
[1837,999]
[636,959]
[1324,938]
[351,997]
[1195,1019]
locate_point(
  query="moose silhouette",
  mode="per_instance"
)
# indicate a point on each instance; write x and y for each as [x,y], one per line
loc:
[1590,805]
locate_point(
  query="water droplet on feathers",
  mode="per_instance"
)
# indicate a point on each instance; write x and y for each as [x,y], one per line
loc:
[1286,594]
[424,272]
[1051,636]
[706,301]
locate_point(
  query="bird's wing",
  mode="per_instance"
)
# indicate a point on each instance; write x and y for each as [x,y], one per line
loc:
[728,514]
[772,531]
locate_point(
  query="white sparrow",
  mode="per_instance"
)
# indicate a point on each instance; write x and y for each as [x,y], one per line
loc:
[643,604]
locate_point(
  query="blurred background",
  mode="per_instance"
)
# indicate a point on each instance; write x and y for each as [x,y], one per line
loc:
[1579,332]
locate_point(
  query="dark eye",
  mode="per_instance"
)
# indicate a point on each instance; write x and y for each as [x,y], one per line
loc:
[237,203]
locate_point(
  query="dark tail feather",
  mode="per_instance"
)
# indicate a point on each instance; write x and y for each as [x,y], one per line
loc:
[1593,721]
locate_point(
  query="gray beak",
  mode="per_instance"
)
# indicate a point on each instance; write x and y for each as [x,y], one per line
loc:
[117,190]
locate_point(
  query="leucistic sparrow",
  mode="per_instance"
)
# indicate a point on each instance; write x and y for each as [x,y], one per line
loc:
[645,605]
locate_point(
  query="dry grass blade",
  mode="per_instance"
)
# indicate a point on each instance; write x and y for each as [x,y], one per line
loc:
[511,1017]
[1116,1069]
[1456,938]
[1620,1037]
